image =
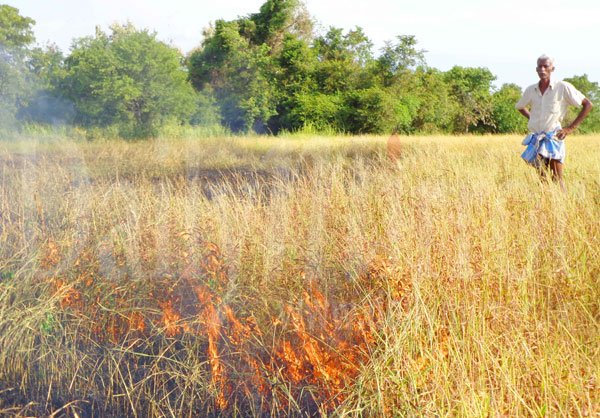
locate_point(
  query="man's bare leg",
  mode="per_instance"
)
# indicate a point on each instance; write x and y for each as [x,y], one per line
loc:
[556,167]
[543,167]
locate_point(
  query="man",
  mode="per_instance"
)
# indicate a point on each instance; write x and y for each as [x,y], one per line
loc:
[548,101]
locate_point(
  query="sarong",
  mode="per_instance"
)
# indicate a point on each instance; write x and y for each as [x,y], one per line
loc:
[545,144]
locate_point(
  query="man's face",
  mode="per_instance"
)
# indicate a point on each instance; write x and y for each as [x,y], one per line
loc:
[544,69]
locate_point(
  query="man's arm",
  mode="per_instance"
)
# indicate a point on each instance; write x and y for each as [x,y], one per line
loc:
[587,106]
[524,112]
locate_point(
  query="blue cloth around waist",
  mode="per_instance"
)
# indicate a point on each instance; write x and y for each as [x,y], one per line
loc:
[545,144]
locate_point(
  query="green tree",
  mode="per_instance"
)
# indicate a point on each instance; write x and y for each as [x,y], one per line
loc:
[207,112]
[471,89]
[427,99]
[249,65]
[316,110]
[341,71]
[15,30]
[294,77]
[343,60]
[129,79]
[275,20]
[16,34]
[398,58]
[45,68]
[264,73]
[376,110]
[591,90]
[239,75]
[354,47]
[506,118]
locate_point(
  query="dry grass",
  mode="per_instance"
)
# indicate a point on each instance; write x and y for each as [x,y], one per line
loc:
[297,276]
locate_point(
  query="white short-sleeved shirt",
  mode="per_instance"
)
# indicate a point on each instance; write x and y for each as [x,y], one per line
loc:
[548,110]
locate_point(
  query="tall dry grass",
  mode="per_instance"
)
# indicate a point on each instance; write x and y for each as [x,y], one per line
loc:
[297,276]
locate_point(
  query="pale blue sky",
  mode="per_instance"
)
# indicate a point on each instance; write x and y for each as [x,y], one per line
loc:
[504,36]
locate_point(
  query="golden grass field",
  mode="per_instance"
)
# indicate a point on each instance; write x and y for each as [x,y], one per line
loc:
[298,276]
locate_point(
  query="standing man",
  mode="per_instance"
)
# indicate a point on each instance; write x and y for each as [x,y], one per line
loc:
[548,101]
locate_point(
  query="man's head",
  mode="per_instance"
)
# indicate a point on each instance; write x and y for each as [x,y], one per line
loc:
[545,67]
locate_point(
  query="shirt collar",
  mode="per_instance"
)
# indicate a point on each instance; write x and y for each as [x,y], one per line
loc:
[551,85]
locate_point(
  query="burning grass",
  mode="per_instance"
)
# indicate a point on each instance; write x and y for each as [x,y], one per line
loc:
[297,277]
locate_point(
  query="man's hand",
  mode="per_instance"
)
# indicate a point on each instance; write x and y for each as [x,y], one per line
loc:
[587,106]
[561,134]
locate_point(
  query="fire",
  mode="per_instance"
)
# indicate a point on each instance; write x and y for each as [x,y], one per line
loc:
[51,255]
[170,319]
[218,379]
[294,365]
[319,341]
[68,295]
[329,355]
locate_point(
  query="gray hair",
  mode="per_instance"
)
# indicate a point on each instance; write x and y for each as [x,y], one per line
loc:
[546,57]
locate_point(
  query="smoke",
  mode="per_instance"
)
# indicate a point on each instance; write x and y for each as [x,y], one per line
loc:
[26,94]
[47,109]
[10,85]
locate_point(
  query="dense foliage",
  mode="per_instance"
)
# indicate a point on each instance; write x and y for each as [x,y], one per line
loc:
[267,72]
[15,35]
[127,78]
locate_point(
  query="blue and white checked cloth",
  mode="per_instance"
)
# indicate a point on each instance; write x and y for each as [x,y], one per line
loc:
[545,144]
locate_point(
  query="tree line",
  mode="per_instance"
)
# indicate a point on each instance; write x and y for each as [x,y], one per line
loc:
[268,72]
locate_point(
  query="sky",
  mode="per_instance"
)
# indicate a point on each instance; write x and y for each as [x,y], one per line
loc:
[505,36]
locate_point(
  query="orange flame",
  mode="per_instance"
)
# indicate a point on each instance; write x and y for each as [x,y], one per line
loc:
[311,344]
